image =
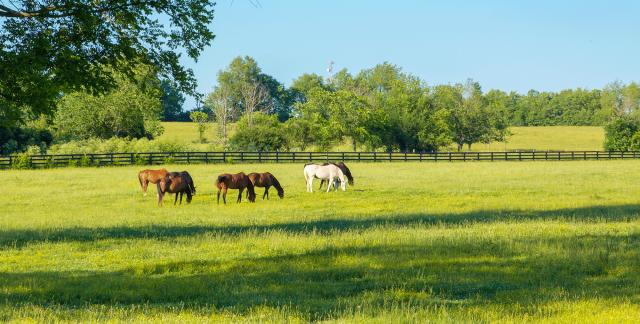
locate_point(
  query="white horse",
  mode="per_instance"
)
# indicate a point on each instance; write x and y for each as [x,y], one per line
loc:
[326,172]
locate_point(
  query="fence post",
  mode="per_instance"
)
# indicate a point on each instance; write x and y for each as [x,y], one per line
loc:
[585,155]
[111,158]
[558,156]
[597,155]
[277,157]
[491,156]
[310,159]
[389,156]
[519,156]
[358,156]
[342,156]
[10,161]
[405,156]
[131,158]
[573,155]
[609,157]
[293,156]
[188,158]
[375,157]
[206,157]
[449,156]
[464,156]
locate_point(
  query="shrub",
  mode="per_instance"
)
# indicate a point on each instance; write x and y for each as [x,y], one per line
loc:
[264,133]
[21,161]
[622,134]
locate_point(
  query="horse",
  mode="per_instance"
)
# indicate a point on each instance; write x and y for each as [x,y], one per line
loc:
[239,181]
[178,183]
[266,180]
[344,169]
[153,176]
[329,172]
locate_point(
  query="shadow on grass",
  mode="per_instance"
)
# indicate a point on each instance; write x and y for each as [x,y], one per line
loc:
[330,282]
[20,238]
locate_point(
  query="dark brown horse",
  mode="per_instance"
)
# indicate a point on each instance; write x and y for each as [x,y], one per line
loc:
[345,171]
[153,176]
[178,183]
[266,180]
[238,181]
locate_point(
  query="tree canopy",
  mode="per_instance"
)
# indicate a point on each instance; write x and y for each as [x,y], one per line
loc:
[51,47]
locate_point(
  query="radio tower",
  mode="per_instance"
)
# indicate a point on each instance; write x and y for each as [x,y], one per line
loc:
[330,72]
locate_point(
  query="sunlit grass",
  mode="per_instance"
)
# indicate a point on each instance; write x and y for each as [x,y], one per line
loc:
[566,138]
[452,242]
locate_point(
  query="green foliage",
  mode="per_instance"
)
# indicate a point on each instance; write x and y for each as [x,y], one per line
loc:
[127,111]
[20,139]
[21,161]
[202,120]
[119,145]
[55,47]
[623,134]
[172,100]
[265,134]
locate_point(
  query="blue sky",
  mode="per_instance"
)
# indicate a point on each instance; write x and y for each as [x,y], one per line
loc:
[508,45]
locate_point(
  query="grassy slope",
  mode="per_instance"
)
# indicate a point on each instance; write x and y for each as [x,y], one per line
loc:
[540,138]
[529,241]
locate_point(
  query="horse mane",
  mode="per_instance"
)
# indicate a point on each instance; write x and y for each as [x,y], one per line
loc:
[189,181]
[346,172]
[276,184]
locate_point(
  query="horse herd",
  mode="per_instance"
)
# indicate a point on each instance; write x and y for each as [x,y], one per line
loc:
[181,183]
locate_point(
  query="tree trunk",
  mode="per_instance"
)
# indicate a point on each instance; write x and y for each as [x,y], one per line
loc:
[354,144]
[459,147]
[469,146]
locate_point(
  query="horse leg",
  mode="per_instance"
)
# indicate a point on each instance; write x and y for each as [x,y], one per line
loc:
[176,198]
[218,196]
[181,193]
[224,195]
[145,183]
[160,196]
[329,183]
[310,184]
[321,183]
[266,193]
[240,195]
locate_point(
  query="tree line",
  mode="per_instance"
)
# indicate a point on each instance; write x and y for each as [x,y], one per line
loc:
[386,108]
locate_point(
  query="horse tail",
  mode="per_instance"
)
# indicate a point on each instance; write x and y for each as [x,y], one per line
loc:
[277,185]
[221,179]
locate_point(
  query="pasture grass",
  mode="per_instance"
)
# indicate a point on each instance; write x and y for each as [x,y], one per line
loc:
[566,138]
[410,242]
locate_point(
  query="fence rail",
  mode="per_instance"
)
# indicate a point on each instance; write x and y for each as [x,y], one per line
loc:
[153,158]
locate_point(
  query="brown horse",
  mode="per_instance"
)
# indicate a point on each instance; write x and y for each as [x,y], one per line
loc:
[235,181]
[266,180]
[345,171]
[178,183]
[153,176]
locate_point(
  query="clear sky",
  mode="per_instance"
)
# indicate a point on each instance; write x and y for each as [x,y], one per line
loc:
[508,45]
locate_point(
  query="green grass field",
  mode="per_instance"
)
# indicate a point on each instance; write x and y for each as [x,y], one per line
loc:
[446,242]
[567,138]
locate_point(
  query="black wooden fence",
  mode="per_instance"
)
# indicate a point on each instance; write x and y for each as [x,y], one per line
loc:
[151,158]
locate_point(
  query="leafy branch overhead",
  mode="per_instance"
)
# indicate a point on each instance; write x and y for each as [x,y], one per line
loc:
[57,46]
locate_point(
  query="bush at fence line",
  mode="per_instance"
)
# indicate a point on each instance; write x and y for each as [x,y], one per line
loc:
[21,161]
[85,161]
[140,159]
[119,145]
[168,160]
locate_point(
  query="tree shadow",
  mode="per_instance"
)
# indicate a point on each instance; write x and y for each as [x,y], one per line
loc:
[519,276]
[17,238]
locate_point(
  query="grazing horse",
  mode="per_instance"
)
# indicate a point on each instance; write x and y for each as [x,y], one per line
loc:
[266,180]
[328,172]
[238,181]
[344,169]
[178,183]
[153,176]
